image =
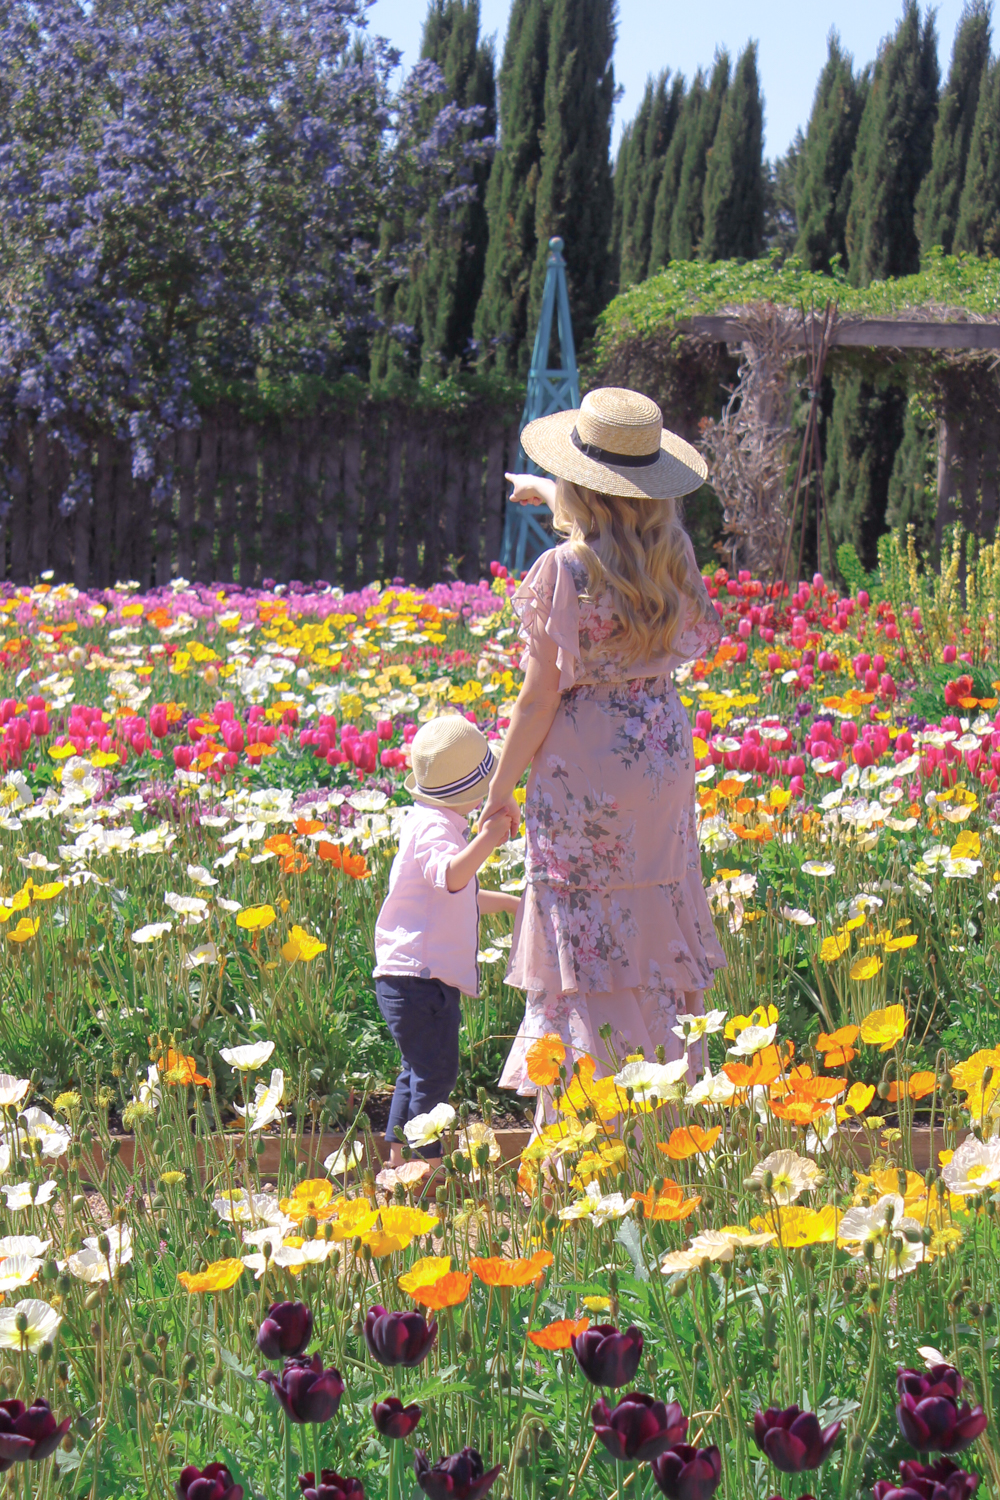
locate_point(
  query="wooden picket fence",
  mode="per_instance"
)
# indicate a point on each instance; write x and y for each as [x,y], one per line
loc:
[379,491]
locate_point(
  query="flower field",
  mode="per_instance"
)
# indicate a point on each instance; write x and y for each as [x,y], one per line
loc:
[770,1268]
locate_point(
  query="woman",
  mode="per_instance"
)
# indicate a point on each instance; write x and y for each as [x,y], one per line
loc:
[614,928]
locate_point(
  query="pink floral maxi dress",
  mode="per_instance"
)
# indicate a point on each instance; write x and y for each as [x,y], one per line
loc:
[615,925]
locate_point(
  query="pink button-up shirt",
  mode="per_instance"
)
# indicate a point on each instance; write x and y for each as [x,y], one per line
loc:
[423,928]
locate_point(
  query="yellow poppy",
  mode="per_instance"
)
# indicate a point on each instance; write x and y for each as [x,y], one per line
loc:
[764,1015]
[795,1226]
[884,1028]
[220,1276]
[253,918]
[866,968]
[424,1272]
[859,1096]
[833,946]
[301,946]
[897,944]
[25,929]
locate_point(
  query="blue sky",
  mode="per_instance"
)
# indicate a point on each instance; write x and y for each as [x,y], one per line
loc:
[655,34]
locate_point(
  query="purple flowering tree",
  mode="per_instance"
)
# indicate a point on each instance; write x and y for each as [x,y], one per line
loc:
[194,193]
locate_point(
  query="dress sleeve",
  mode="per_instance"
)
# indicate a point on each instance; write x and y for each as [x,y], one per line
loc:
[701,630]
[546,603]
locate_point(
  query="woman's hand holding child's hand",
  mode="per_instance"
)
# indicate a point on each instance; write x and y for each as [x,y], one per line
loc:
[509,810]
[495,827]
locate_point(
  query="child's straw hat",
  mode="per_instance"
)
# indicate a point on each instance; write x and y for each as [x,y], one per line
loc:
[452,763]
[615,444]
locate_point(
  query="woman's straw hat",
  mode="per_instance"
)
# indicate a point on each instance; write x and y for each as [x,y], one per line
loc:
[452,763]
[615,444]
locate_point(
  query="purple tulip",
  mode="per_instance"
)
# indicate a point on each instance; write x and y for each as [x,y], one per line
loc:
[394,1420]
[286,1331]
[606,1356]
[941,1481]
[213,1482]
[398,1338]
[331,1487]
[792,1439]
[28,1432]
[305,1391]
[686,1473]
[639,1427]
[929,1414]
[459,1477]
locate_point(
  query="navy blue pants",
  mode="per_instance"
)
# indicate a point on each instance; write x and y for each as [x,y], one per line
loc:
[423,1016]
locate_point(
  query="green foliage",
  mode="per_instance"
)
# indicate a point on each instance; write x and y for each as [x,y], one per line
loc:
[734,181]
[272,397]
[641,160]
[501,324]
[823,185]
[852,570]
[704,107]
[895,141]
[937,205]
[781,226]
[979,211]
[913,486]
[574,186]
[683,290]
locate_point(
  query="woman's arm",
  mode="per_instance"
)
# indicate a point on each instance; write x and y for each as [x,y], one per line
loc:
[530,722]
[532,489]
[491,902]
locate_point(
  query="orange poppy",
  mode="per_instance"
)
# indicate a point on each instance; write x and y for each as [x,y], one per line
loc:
[688,1141]
[765,1068]
[447,1291]
[294,863]
[160,618]
[329,852]
[279,843]
[355,865]
[833,1041]
[557,1335]
[494,1270]
[670,1205]
[179,1069]
[920,1085]
[800,1083]
[798,1110]
[545,1058]
[306,826]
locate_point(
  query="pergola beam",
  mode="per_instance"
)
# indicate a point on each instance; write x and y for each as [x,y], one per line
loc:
[871,333]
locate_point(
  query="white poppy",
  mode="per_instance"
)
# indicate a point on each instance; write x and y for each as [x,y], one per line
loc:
[344,1160]
[206,953]
[248,1058]
[151,932]
[17,1271]
[90,1263]
[818,868]
[424,1130]
[791,1176]
[753,1039]
[23,1244]
[12,1090]
[43,1324]
[266,1106]
[711,1089]
[798,916]
[241,1207]
[51,1136]
[693,1028]
[974,1167]
[874,1222]
[598,1206]
[200,875]
[191,908]
[649,1080]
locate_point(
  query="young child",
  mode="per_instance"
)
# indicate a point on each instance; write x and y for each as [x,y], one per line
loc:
[427,933]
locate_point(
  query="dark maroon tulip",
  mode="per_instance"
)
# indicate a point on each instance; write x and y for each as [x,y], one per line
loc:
[686,1473]
[606,1356]
[398,1338]
[213,1482]
[331,1487]
[792,1439]
[28,1432]
[459,1477]
[394,1420]
[306,1392]
[929,1414]
[639,1427]
[286,1331]
[941,1481]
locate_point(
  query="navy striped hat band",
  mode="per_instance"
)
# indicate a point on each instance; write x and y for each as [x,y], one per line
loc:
[464,783]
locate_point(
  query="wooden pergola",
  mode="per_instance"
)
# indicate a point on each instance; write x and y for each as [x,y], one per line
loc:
[966,401]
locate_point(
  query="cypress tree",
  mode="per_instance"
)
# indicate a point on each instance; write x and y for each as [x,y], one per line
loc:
[893,153]
[823,182]
[978,228]
[659,135]
[940,192]
[861,443]
[780,176]
[502,315]
[734,177]
[687,218]
[668,184]
[575,192]
[438,299]
[629,175]
[912,495]
[620,185]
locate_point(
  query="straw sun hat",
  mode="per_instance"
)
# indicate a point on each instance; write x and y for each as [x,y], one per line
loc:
[615,444]
[452,763]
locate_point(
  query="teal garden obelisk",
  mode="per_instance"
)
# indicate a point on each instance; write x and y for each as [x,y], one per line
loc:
[549,390]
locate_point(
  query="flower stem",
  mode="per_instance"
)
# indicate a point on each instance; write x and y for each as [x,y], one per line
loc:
[287,1461]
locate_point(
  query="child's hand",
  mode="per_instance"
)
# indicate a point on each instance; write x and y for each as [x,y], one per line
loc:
[495,828]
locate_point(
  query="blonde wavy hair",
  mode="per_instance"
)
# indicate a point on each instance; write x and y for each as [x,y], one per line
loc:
[640,551]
